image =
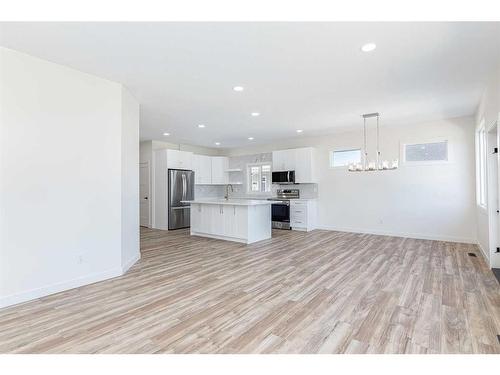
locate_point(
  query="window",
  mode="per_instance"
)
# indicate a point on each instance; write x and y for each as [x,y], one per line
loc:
[481,165]
[342,158]
[259,178]
[426,152]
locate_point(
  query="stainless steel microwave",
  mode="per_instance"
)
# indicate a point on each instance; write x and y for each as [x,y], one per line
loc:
[284,177]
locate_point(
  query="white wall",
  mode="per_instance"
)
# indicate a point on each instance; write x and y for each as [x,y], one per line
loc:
[130,178]
[489,110]
[60,178]
[432,201]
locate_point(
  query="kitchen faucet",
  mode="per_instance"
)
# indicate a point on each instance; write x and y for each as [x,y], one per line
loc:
[226,197]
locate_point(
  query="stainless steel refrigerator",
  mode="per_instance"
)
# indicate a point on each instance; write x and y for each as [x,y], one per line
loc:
[180,188]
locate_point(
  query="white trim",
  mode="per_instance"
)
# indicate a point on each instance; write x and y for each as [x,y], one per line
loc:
[419,236]
[129,263]
[483,208]
[32,294]
[150,195]
[486,258]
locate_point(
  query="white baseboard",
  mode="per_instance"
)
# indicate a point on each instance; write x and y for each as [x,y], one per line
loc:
[401,234]
[129,263]
[485,254]
[14,299]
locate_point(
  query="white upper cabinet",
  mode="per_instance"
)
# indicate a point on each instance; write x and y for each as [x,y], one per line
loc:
[304,165]
[219,166]
[300,160]
[284,160]
[202,167]
[179,159]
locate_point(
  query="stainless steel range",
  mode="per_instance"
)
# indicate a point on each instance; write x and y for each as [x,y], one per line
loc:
[280,210]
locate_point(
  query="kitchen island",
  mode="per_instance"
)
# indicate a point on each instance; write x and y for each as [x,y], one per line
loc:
[240,220]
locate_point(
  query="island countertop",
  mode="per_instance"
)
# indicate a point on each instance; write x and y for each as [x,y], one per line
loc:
[233,202]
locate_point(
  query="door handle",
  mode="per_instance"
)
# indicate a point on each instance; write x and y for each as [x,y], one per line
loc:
[184,188]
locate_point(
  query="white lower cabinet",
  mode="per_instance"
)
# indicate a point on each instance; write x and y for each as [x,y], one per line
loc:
[235,221]
[239,223]
[303,214]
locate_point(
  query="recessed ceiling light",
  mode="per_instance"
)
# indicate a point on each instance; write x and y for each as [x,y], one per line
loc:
[217,143]
[238,88]
[255,114]
[368,47]
[299,130]
[250,138]
[166,134]
[201,126]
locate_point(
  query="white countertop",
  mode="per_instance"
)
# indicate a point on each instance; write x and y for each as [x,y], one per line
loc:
[233,201]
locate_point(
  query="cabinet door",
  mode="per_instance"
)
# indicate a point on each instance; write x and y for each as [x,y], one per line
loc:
[240,229]
[235,221]
[229,213]
[196,216]
[186,160]
[179,159]
[289,156]
[304,168]
[197,168]
[206,170]
[284,160]
[219,166]
[216,219]
[279,161]
[202,167]
[173,159]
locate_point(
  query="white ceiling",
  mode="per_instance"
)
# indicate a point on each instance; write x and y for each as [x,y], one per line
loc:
[309,76]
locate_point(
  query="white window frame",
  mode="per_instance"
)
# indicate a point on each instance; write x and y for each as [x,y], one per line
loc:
[481,167]
[249,180]
[340,150]
[449,151]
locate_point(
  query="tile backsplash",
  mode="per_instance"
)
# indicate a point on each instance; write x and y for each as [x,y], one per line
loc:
[208,191]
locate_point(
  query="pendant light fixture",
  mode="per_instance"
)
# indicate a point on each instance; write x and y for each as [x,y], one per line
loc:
[378,164]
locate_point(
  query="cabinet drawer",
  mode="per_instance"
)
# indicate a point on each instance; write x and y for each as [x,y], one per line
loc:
[298,216]
[298,210]
[298,224]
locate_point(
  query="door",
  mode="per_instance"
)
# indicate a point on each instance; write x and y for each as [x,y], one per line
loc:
[280,212]
[144,194]
[180,188]
[493,195]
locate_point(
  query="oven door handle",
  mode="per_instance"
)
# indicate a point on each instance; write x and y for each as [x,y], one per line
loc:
[281,203]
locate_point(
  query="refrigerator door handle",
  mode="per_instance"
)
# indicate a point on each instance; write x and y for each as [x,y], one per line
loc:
[184,187]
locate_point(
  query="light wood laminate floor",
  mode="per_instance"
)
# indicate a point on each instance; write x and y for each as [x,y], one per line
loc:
[317,292]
